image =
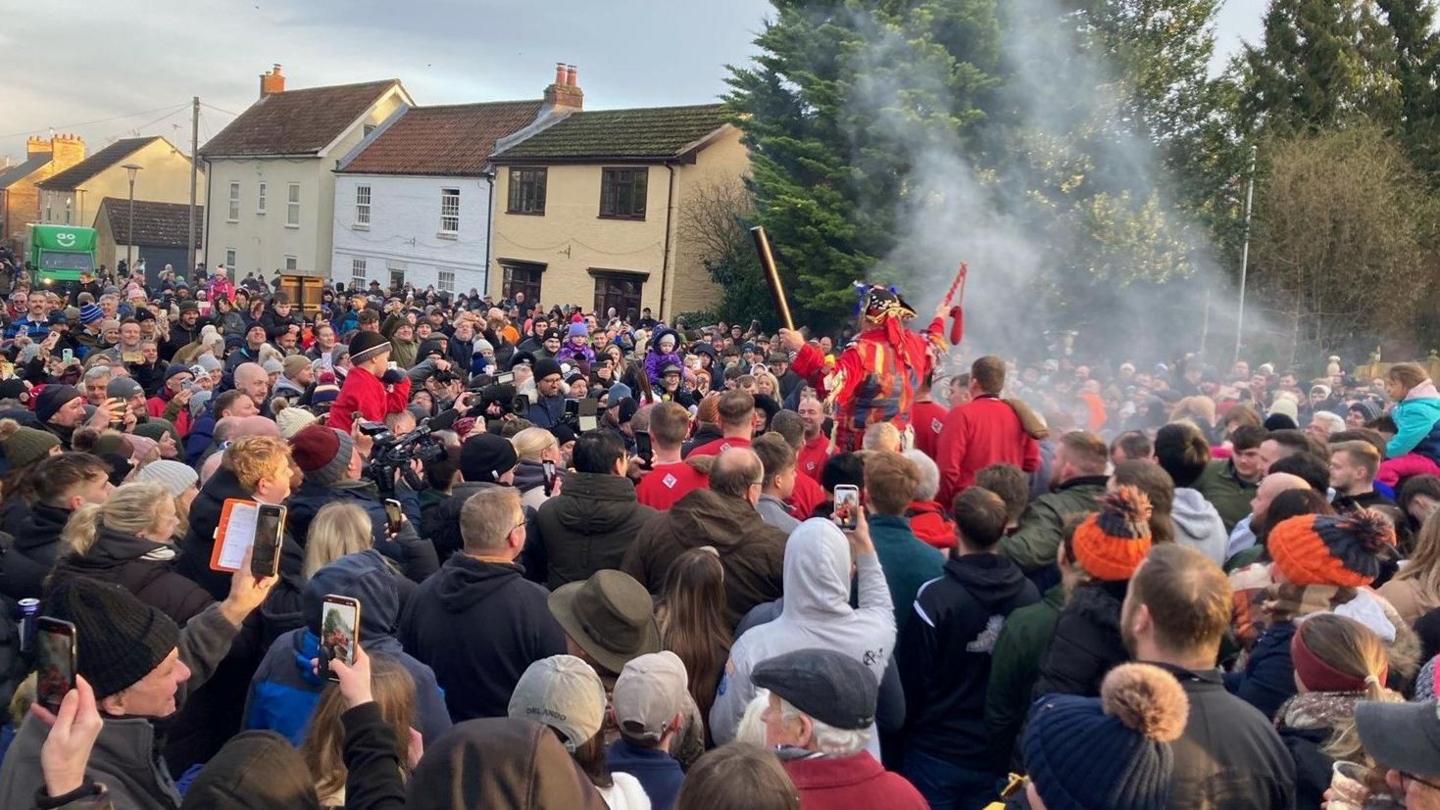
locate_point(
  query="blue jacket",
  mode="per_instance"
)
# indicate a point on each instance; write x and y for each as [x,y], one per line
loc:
[1417,423]
[1268,679]
[658,772]
[285,690]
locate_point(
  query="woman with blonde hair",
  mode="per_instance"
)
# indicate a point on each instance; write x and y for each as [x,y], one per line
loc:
[129,541]
[535,446]
[339,528]
[1338,663]
[393,691]
[1415,591]
[767,384]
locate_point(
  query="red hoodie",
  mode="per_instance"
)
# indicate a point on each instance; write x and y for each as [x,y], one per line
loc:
[364,392]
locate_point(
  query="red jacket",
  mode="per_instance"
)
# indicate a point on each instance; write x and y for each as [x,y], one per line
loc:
[850,782]
[930,523]
[981,432]
[364,392]
[668,483]
[714,448]
[928,419]
[806,497]
[813,456]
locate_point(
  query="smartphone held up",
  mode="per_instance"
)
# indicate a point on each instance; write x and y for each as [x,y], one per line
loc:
[54,661]
[339,632]
[847,507]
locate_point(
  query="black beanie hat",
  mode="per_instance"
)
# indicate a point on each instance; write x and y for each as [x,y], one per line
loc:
[118,639]
[52,398]
[486,457]
[546,366]
[366,345]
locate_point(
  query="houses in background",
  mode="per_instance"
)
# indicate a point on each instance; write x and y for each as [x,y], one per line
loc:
[569,206]
[19,184]
[73,196]
[159,236]
[271,204]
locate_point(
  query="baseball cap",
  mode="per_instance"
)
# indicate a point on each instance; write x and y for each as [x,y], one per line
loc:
[649,693]
[564,693]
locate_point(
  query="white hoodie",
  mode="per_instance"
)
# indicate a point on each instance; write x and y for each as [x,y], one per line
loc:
[816,614]
[1198,525]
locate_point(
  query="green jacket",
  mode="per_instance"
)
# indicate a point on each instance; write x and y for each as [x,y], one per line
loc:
[1035,543]
[907,562]
[1222,487]
[1014,666]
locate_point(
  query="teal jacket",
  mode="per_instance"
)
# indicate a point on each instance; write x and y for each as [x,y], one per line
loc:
[906,561]
[1417,423]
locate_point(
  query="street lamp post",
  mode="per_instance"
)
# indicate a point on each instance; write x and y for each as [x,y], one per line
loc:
[131,169]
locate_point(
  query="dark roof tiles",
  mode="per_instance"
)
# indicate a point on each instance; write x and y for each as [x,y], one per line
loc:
[451,140]
[157,224]
[74,176]
[651,133]
[295,122]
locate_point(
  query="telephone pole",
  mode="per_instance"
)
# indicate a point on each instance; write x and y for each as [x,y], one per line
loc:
[189,268]
[1245,256]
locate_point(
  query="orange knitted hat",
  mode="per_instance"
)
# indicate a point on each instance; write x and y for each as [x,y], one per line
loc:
[1338,550]
[1111,543]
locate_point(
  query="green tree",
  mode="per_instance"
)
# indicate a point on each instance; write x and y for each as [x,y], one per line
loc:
[835,111]
[1320,63]
[1417,67]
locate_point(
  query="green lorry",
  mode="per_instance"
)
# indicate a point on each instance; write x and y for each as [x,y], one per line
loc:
[60,253]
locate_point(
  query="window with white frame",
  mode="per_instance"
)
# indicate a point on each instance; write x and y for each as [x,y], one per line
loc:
[362,206]
[397,274]
[233,215]
[446,282]
[357,274]
[291,264]
[292,206]
[260,201]
[449,210]
[230,257]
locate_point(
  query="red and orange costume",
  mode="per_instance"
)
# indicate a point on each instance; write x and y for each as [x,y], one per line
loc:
[878,375]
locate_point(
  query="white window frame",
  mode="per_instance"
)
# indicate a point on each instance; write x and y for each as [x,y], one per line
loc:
[292,205]
[362,207]
[261,203]
[358,272]
[292,265]
[233,214]
[230,259]
[445,281]
[449,212]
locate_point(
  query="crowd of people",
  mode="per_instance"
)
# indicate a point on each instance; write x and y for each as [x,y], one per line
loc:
[600,565]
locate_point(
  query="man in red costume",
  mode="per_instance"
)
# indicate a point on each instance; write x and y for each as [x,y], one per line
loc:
[877,377]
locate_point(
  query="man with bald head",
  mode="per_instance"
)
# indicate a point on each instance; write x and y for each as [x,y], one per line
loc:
[254,381]
[723,516]
[1270,486]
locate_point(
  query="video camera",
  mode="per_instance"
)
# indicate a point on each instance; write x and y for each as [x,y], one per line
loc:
[394,453]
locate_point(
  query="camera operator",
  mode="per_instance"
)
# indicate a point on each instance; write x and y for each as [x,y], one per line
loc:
[333,463]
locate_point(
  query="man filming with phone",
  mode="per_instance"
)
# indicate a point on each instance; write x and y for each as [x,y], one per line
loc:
[141,668]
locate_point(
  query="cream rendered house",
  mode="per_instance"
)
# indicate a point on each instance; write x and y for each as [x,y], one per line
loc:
[271,203]
[588,210]
[73,196]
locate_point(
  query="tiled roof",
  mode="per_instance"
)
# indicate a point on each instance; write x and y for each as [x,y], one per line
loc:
[643,134]
[96,163]
[453,140]
[295,122]
[157,224]
[20,171]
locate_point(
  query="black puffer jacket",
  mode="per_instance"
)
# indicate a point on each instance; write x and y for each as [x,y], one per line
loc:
[588,526]
[141,566]
[1087,642]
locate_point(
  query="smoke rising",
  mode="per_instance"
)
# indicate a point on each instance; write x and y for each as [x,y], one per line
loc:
[1058,201]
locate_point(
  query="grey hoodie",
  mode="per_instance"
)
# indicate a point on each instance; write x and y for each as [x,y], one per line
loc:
[816,614]
[1198,525]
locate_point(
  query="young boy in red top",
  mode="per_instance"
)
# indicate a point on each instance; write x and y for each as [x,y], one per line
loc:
[371,390]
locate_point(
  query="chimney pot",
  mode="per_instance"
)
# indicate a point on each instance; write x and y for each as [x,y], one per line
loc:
[272,81]
[560,73]
[571,77]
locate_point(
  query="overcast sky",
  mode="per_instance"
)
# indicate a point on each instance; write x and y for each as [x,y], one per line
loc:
[128,67]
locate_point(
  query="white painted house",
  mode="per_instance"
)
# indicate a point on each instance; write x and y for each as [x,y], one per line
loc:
[413,202]
[270,205]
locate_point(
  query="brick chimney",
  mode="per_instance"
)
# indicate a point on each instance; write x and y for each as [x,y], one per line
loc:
[565,93]
[66,151]
[272,81]
[36,146]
